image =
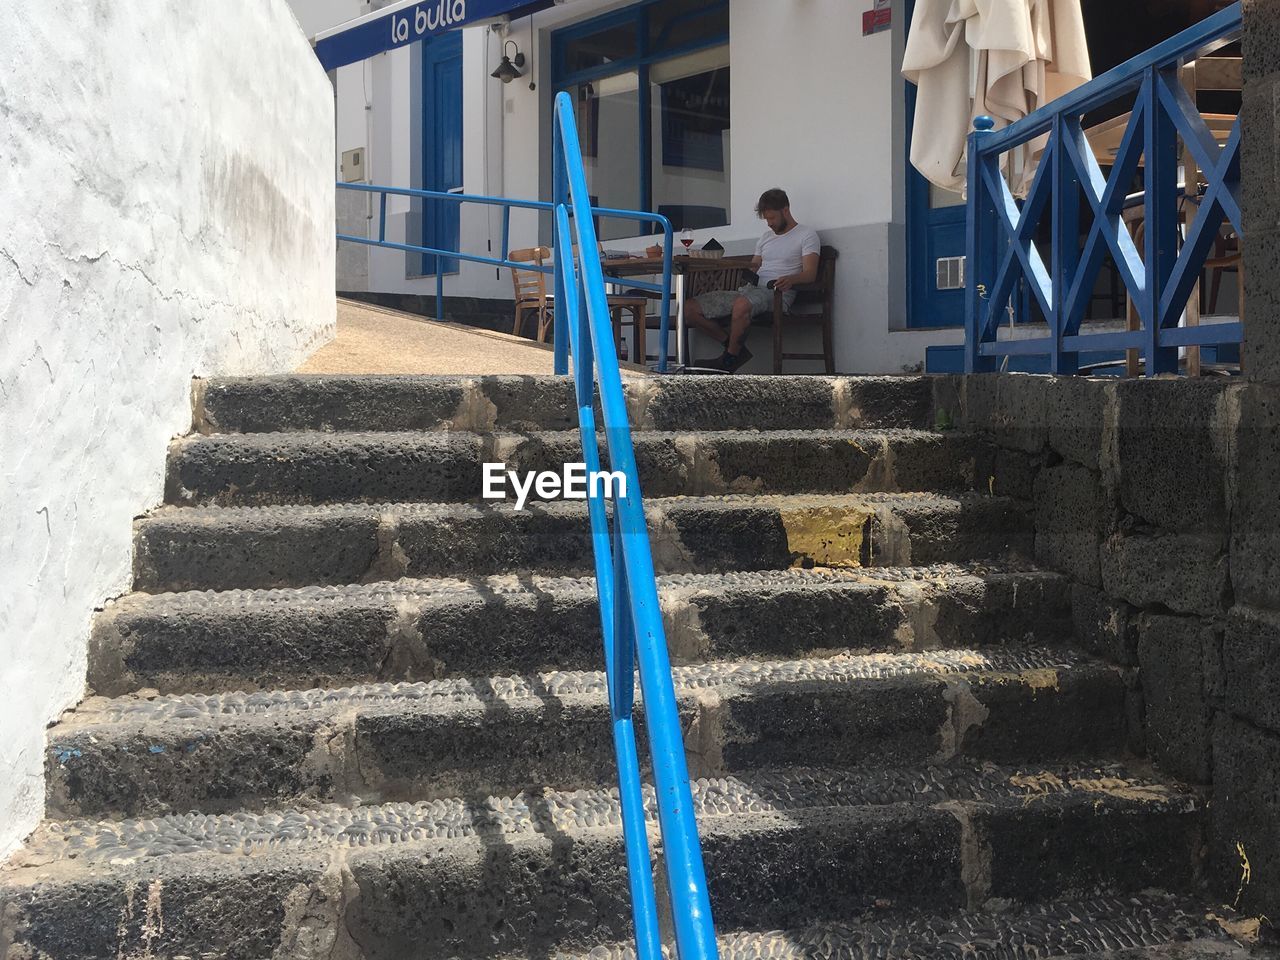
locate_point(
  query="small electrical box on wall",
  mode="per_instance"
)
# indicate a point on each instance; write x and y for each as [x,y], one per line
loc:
[353,165]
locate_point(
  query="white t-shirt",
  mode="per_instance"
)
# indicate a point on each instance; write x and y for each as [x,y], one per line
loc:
[782,254]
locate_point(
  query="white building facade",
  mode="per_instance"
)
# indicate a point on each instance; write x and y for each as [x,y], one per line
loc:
[690,108]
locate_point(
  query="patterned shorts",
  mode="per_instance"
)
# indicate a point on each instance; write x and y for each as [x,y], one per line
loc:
[718,304]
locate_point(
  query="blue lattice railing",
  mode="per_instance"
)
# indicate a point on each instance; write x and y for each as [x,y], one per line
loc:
[1159,264]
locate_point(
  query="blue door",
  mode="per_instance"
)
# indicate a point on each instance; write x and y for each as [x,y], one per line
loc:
[935,239]
[442,145]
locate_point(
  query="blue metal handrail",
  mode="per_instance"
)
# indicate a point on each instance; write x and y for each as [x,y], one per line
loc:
[625,582]
[662,288]
[1001,249]
[631,620]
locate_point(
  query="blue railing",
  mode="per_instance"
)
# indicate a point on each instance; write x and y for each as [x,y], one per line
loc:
[1001,248]
[625,580]
[631,620]
[662,287]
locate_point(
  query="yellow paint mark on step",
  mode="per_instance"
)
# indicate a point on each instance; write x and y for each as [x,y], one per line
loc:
[1245,930]
[1044,783]
[1246,871]
[957,662]
[1037,783]
[827,536]
[1044,679]
[1122,789]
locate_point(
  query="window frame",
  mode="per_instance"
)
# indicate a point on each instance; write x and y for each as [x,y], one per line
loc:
[636,15]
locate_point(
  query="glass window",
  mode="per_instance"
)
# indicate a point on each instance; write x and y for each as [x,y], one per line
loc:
[608,118]
[689,107]
[678,24]
[651,90]
[601,48]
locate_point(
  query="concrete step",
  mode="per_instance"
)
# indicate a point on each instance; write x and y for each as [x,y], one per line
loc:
[227,548]
[528,873]
[275,468]
[338,403]
[219,752]
[428,629]
[1145,926]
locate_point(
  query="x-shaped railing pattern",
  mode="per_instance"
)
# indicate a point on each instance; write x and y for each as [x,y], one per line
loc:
[1160,278]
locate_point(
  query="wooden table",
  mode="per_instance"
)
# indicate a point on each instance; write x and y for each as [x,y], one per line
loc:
[1105,137]
[681,267]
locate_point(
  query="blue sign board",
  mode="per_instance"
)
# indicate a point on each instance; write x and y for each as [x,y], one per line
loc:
[409,23]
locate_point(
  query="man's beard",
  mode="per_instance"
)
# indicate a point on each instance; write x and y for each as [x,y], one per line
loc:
[781,228]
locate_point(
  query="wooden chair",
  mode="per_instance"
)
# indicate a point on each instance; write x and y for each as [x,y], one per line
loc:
[531,296]
[638,307]
[819,293]
[531,290]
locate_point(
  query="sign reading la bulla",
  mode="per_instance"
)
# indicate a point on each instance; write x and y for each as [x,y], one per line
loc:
[427,18]
[370,35]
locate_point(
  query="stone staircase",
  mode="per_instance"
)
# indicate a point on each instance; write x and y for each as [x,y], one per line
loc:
[351,711]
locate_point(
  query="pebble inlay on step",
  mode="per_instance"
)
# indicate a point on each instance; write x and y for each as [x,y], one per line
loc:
[277,468]
[410,630]
[1055,929]
[385,742]
[371,402]
[551,811]
[222,548]
[466,692]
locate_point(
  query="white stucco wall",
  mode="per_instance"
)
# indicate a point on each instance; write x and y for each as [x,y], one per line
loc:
[316,15]
[168,211]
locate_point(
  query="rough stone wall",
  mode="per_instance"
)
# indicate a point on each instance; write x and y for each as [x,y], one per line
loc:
[1161,499]
[166,177]
[1259,198]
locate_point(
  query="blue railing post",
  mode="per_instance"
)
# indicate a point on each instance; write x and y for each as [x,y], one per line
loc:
[559,197]
[1161,220]
[686,875]
[980,261]
[1066,243]
[615,608]
[664,324]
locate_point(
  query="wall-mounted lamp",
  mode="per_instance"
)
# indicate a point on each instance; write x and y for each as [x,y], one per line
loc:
[509,68]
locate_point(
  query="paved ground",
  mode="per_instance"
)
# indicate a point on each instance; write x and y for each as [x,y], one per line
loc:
[380,340]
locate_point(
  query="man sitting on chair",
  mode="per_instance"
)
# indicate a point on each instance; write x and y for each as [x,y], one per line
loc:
[786,255]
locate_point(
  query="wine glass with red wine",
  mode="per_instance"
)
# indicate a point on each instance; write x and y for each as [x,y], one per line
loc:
[686,237]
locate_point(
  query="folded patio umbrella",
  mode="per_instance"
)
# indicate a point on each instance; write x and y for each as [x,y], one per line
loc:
[1002,58]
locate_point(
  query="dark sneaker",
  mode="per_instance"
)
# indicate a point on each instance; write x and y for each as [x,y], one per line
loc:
[712,363]
[733,363]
